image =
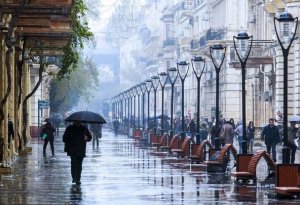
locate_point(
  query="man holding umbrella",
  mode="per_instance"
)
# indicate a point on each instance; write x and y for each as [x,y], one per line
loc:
[75,138]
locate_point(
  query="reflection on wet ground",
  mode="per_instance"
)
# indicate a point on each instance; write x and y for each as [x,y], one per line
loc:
[120,172]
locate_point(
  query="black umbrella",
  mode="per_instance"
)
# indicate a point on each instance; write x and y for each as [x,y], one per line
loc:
[86,117]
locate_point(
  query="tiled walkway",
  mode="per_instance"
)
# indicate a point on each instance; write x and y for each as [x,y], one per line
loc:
[121,173]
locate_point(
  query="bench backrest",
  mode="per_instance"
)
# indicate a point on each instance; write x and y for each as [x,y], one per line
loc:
[224,150]
[288,175]
[164,140]
[200,150]
[174,142]
[255,159]
[242,162]
[186,145]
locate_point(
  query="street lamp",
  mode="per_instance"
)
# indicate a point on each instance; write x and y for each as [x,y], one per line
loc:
[285,38]
[143,89]
[162,80]
[148,88]
[198,64]
[243,52]
[183,69]
[155,82]
[217,55]
[139,91]
[172,74]
[134,92]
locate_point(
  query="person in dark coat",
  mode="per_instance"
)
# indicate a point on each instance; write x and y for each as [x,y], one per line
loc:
[48,131]
[250,136]
[192,128]
[75,138]
[97,133]
[270,134]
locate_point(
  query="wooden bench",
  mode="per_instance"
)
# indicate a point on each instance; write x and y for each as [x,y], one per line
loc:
[200,153]
[185,148]
[246,165]
[165,149]
[287,180]
[221,163]
[137,134]
[159,141]
[175,143]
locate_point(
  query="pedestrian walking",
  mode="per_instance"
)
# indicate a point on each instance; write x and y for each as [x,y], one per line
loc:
[239,132]
[192,128]
[215,132]
[250,136]
[96,130]
[75,138]
[116,126]
[292,136]
[227,134]
[270,134]
[279,119]
[11,136]
[203,132]
[48,136]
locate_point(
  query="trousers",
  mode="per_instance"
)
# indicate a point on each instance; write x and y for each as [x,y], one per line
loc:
[76,167]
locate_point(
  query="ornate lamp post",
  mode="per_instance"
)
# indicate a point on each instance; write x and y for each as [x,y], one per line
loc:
[162,80]
[138,92]
[217,55]
[172,74]
[143,89]
[155,82]
[148,88]
[183,69]
[243,51]
[134,92]
[286,36]
[198,64]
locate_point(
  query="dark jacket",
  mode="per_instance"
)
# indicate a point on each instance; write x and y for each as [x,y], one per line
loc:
[74,140]
[11,133]
[49,130]
[270,135]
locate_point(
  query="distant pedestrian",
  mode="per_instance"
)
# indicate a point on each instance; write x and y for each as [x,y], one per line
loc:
[96,130]
[215,132]
[192,128]
[239,132]
[292,136]
[11,136]
[250,136]
[75,138]
[116,126]
[203,132]
[270,134]
[48,136]
[228,133]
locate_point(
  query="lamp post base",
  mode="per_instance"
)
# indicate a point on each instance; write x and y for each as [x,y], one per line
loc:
[182,135]
[244,147]
[217,143]
[286,156]
[171,133]
[198,138]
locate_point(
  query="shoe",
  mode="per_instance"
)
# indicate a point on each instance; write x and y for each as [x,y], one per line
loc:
[78,182]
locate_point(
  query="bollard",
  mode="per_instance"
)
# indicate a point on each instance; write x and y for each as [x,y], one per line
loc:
[217,143]
[244,147]
[198,138]
[286,156]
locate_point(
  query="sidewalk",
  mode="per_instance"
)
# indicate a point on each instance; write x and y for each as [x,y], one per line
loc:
[120,173]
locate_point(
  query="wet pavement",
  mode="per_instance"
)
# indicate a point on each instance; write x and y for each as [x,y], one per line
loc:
[122,172]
